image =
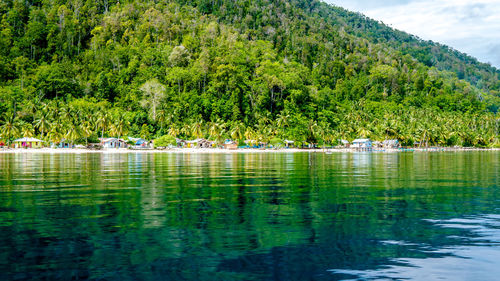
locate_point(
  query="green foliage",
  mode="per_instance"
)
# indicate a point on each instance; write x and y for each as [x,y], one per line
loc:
[165,141]
[296,69]
[276,142]
[145,132]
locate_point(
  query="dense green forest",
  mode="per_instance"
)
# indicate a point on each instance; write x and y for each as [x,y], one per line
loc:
[262,69]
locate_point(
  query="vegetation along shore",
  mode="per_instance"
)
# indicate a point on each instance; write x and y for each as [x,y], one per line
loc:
[78,72]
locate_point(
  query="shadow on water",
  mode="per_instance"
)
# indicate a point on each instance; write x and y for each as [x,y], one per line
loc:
[249,217]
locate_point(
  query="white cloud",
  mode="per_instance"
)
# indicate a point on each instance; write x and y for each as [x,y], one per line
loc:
[470,26]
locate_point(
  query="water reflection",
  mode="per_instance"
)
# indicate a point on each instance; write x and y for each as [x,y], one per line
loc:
[471,252]
[302,216]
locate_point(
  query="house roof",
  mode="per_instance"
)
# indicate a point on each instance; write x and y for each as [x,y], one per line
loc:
[361,140]
[108,139]
[389,142]
[136,139]
[28,140]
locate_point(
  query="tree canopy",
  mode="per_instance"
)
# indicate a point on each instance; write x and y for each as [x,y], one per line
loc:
[288,69]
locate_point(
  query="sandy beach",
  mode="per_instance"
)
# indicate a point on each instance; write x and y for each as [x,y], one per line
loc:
[173,150]
[220,150]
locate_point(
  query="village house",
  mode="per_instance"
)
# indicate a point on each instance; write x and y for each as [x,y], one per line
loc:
[62,144]
[289,143]
[197,143]
[231,145]
[345,143]
[28,143]
[113,143]
[251,143]
[139,142]
[391,144]
[377,144]
[362,144]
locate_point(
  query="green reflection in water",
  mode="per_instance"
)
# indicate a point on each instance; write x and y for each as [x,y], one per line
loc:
[232,216]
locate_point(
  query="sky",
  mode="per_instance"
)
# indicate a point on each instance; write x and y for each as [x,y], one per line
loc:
[469,26]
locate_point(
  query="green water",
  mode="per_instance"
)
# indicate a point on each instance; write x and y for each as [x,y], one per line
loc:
[302,216]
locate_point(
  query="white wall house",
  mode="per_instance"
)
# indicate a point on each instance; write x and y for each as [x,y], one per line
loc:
[113,143]
[362,143]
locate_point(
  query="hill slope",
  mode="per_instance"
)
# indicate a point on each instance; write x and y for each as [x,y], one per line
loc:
[233,69]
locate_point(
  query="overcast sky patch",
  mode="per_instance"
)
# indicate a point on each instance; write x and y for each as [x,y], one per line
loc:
[472,27]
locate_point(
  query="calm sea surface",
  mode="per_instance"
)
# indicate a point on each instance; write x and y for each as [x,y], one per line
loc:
[302,216]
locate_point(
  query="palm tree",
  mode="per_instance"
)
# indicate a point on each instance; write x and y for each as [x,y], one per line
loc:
[10,129]
[217,130]
[55,135]
[73,133]
[313,130]
[214,130]
[123,126]
[363,132]
[102,122]
[424,137]
[32,107]
[114,131]
[185,130]
[42,123]
[120,127]
[261,132]
[343,131]
[173,131]
[283,122]
[196,129]
[27,130]
[161,118]
[237,132]
[66,113]
[249,134]
[86,130]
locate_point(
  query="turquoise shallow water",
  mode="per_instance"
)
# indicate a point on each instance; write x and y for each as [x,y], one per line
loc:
[297,216]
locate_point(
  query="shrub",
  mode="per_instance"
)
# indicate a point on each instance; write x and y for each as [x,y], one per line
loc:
[165,141]
[276,142]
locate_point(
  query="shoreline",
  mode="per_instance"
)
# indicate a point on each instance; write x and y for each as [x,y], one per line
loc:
[226,151]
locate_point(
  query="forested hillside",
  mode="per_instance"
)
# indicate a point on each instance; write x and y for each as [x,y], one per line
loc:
[296,69]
